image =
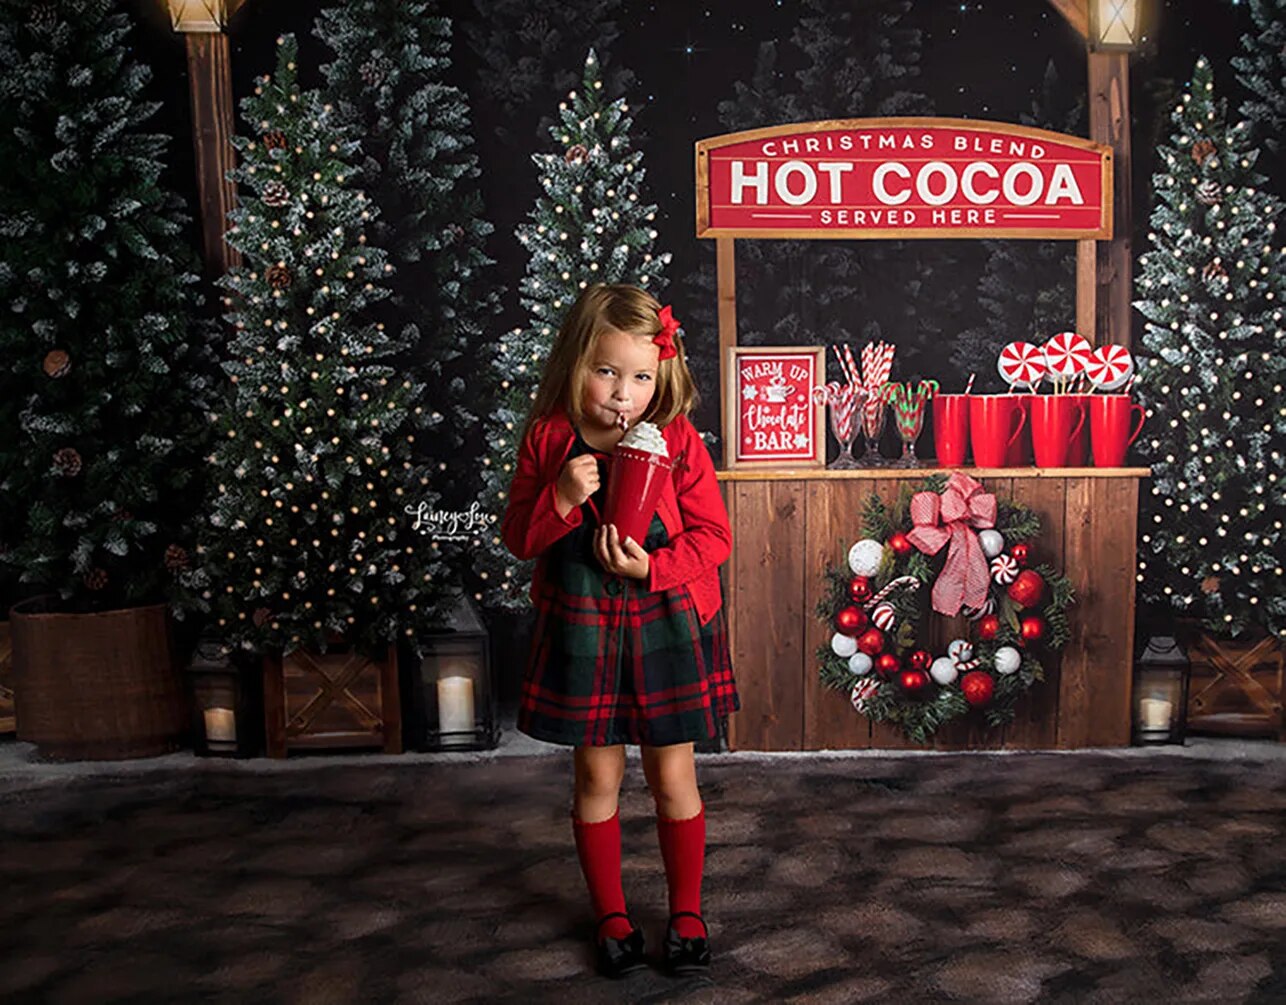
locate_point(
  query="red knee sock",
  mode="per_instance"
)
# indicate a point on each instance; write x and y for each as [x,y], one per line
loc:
[598,845]
[683,849]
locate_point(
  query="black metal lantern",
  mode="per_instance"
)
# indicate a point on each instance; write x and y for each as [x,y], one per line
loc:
[1161,676]
[1115,25]
[226,704]
[451,702]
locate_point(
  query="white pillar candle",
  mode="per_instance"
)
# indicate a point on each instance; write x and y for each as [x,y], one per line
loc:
[1156,713]
[455,707]
[221,725]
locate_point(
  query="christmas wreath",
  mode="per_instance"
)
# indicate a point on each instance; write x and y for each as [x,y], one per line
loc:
[953,543]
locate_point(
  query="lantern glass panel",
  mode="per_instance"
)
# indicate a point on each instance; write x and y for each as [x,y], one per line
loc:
[1160,692]
[1114,24]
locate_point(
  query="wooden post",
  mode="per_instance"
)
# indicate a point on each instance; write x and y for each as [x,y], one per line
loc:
[210,83]
[726,274]
[1109,84]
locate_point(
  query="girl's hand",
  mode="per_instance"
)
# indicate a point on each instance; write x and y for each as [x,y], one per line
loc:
[578,480]
[625,558]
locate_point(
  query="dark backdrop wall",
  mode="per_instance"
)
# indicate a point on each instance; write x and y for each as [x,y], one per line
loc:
[677,61]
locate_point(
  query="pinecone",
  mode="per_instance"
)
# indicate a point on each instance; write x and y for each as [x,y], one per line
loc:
[278,276]
[454,233]
[275,140]
[43,18]
[1215,271]
[67,462]
[275,194]
[261,616]
[57,363]
[175,558]
[1202,151]
[372,72]
[1210,585]
[95,579]
[576,154]
[122,514]
[1208,192]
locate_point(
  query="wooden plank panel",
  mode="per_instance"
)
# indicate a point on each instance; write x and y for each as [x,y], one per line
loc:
[834,519]
[1098,694]
[769,603]
[1035,722]
[1109,94]
[213,117]
[729,572]
[1075,701]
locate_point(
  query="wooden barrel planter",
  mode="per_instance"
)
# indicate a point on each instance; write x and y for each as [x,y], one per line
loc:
[95,686]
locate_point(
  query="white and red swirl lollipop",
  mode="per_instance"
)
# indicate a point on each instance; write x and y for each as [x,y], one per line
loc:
[1022,364]
[1067,354]
[1109,367]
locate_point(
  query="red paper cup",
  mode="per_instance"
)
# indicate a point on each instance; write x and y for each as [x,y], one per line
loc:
[634,482]
[1019,453]
[1109,424]
[995,423]
[1056,421]
[951,428]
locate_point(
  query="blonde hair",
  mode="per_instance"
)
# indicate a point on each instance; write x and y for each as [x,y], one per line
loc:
[599,308]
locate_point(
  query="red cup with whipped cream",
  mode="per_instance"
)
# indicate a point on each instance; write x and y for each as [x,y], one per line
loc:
[640,464]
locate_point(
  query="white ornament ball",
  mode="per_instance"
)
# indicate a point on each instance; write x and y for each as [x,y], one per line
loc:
[944,671]
[992,541]
[960,650]
[843,645]
[1008,660]
[860,663]
[864,557]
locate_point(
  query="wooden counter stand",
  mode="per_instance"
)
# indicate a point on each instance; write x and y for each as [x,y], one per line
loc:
[788,526]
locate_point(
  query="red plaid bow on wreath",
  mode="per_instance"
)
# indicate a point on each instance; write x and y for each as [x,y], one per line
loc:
[955,517]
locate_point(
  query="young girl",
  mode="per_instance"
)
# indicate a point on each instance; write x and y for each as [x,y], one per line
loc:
[630,643]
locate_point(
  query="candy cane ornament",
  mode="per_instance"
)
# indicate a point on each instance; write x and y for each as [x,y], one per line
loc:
[1109,367]
[1022,364]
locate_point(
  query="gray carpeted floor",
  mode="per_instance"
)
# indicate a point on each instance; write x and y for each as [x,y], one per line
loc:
[1087,877]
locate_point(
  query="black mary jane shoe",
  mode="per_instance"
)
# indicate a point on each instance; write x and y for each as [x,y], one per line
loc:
[617,957]
[683,956]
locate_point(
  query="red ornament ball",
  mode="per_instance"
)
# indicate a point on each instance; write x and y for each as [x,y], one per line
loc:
[859,589]
[977,687]
[871,641]
[914,682]
[886,664]
[1032,629]
[901,544]
[1021,553]
[1027,589]
[851,620]
[920,660]
[988,627]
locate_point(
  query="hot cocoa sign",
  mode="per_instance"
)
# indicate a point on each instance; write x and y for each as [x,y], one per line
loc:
[772,419]
[867,178]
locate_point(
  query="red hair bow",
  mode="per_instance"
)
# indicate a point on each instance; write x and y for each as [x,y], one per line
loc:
[669,325]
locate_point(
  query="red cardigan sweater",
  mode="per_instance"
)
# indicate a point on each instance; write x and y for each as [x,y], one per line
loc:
[691,508]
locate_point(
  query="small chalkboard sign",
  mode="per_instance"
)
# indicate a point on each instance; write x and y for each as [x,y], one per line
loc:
[771,417]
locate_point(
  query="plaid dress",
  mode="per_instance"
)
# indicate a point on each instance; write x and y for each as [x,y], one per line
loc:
[613,663]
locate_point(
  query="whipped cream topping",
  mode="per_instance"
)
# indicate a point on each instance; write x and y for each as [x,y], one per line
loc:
[646,436]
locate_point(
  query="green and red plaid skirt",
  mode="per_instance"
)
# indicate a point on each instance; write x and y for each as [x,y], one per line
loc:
[614,663]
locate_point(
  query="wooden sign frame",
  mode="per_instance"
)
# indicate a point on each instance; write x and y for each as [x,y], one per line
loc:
[733,355]
[707,148]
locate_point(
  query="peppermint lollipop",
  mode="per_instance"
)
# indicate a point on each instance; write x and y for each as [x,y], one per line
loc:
[1109,367]
[1066,354]
[1022,364]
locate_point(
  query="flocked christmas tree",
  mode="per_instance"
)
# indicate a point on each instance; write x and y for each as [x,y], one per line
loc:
[420,170]
[590,226]
[308,533]
[1262,70]
[1211,289]
[1027,290]
[103,376]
